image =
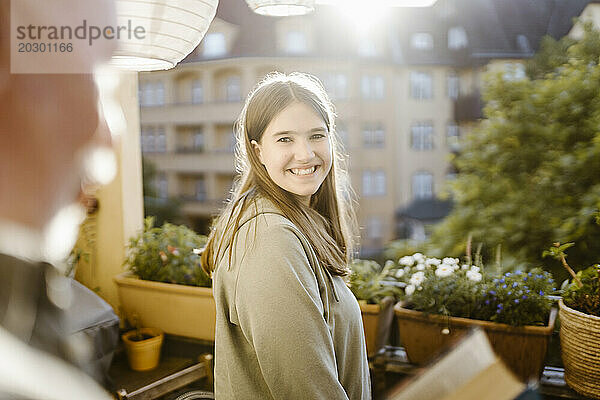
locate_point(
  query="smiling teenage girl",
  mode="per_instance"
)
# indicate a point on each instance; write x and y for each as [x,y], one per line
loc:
[288,327]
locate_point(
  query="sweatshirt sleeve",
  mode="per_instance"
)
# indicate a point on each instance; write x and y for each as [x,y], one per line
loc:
[281,314]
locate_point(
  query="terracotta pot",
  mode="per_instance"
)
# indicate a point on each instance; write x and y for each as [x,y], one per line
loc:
[175,309]
[522,348]
[377,322]
[143,355]
[580,347]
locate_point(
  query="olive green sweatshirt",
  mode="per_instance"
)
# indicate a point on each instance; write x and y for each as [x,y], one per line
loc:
[286,328]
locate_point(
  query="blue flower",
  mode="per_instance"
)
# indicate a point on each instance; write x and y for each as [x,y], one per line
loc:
[509,293]
[492,292]
[516,301]
[498,311]
[524,279]
[515,284]
[525,287]
[524,297]
[530,274]
[503,286]
[541,292]
[507,274]
[487,302]
[501,280]
[550,280]
[500,306]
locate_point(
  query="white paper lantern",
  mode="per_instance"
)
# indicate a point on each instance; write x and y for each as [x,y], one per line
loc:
[172,29]
[281,8]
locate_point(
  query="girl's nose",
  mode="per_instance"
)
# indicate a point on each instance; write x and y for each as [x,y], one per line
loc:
[304,151]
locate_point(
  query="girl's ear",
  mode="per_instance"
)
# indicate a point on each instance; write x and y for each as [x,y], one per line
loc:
[257,150]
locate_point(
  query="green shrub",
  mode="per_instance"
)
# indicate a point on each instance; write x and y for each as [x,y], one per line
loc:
[448,287]
[168,254]
[368,281]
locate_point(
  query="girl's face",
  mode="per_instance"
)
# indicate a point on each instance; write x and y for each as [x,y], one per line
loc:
[296,150]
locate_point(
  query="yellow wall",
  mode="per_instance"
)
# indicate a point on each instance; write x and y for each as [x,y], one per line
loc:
[120,213]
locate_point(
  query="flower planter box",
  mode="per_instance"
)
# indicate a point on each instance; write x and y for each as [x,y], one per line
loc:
[377,322]
[523,348]
[580,344]
[176,309]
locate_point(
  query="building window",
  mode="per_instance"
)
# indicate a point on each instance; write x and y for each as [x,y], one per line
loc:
[214,45]
[457,38]
[162,187]
[373,183]
[523,44]
[200,192]
[453,86]
[153,139]
[422,185]
[372,87]
[422,136]
[421,41]
[374,228]
[296,43]
[452,136]
[373,136]
[198,140]
[197,92]
[152,94]
[421,85]
[336,86]
[233,91]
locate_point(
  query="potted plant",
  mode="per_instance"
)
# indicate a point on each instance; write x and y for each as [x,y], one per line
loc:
[165,284]
[444,298]
[143,346]
[376,299]
[580,325]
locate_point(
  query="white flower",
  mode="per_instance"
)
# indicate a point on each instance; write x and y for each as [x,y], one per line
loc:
[433,261]
[417,278]
[444,270]
[409,290]
[455,267]
[474,268]
[465,266]
[406,261]
[399,273]
[450,260]
[420,267]
[418,257]
[197,251]
[474,275]
[407,270]
[389,264]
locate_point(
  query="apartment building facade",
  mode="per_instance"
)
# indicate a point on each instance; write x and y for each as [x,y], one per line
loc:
[405,90]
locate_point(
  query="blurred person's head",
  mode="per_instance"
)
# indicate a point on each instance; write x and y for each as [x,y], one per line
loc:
[47,122]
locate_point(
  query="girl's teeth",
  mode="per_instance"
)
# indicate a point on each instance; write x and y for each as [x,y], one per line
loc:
[297,171]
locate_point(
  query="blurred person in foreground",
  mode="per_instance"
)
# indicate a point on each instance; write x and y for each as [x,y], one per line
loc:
[48,124]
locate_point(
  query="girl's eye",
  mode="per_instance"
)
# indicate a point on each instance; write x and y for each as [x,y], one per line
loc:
[284,139]
[318,136]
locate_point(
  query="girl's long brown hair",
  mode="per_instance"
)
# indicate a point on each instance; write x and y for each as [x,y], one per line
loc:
[329,223]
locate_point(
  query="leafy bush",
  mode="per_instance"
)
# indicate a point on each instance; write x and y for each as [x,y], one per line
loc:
[469,290]
[169,254]
[518,298]
[587,297]
[583,293]
[368,281]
